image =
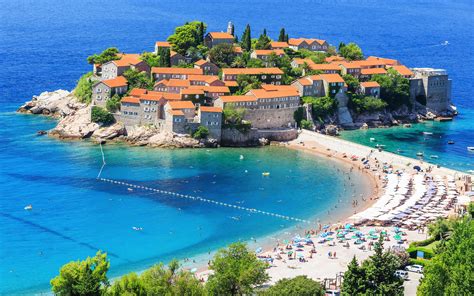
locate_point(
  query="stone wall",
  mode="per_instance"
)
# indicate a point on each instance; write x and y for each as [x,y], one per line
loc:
[271,118]
[234,138]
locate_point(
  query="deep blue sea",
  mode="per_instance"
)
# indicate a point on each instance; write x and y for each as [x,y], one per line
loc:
[43,46]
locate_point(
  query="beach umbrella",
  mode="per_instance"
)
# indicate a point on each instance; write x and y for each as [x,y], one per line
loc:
[290,252]
[326,226]
[348,226]
[258,250]
[417,168]
[397,237]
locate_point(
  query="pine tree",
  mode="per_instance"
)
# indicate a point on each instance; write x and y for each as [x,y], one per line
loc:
[165,57]
[286,38]
[354,279]
[201,33]
[282,36]
[246,39]
[263,41]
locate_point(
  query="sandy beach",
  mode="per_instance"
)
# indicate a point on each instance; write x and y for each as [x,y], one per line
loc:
[313,259]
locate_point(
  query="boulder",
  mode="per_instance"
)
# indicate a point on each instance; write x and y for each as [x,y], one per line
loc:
[109,132]
[77,125]
[331,130]
[59,103]
[172,140]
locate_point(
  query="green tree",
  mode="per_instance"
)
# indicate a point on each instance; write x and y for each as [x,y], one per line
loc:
[101,115]
[129,284]
[164,57]
[441,229]
[351,52]
[152,60]
[322,106]
[300,285]
[451,272]
[298,115]
[239,62]
[201,133]
[246,40]
[306,124]
[283,37]
[83,89]
[107,55]
[360,104]
[380,271]
[264,42]
[236,271]
[352,82]
[186,36]
[255,63]
[394,89]
[201,32]
[354,279]
[137,79]
[87,277]
[113,104]
[222,55]
[246,83]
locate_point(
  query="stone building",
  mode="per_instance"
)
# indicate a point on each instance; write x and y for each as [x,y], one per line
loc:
[105,89]
[309,44]
[265,75]
[265,54]
[370,88]
[115,68]
[160,73]
[214,38]
[432,88]
[311,86]
[211,118]
[207,67]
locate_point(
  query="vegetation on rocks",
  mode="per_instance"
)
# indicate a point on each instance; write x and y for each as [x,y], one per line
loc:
[360,104]
[113,104]
[101,115]
[107,55]
[394,89]
[201,133]
[83,90]
[321,106]
[246,83]
[233,118]
[152,59]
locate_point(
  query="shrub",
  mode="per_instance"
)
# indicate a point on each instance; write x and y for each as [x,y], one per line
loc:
[113,104]
[306,124]
[300,285]
[360,104]
[100,115]
[83,90]
[322,106]
[201,133]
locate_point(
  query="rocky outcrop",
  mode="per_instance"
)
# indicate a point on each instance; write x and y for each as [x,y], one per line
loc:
[109,132]
[77,125]
[59,104]
[172,140]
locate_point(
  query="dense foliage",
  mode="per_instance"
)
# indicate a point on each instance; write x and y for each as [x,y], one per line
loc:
[246,40]
[113,104]
[83,90]
[394,89]
[201,133]
[107,55]
[300,285]
[101,115]
[451,271]
[151,59]
[316,56]
[263,41]
[234,118]
[222,55]
[376,275]
[351,51]
[283,37]
[137,79]
[360,104]
[190,35]
[236,271]
[246,83]
[87,277]
[321,106]
[352,82]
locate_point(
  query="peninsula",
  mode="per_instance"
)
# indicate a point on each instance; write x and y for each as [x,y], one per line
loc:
[201,89]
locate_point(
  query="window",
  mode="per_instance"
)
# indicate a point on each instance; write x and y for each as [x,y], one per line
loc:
[99,90]
[264,76]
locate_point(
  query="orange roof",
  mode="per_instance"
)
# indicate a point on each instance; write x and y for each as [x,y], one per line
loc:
[238,49]
[116,82]
[386,61]
[403,70]
[163,44]
[212,89]
[181,105]
[210,109]
[369,63]
[131,100]
[277,87]
[349,65]
[279,44]
[333,59]
[173,53]
[171,96]
[231,83]
[192,91]
[201,77]
[372,71]
[323,67]
[265,94]
[127,60]
[331,78]
[220,35]
[251,71]
[298,41]
[201,62]
[137,92]
[236,99]
[269,51]
[300,61]
[305,81]
[369,84]
[174,83]
[172,70]
[176,112]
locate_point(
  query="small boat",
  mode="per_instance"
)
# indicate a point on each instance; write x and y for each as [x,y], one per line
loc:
[427,133]
[471,172]
[137,228]
[379,146]
[241,157]
[419,154]
[470,149]
[28,207]
[265,174]
[434,156]
[129,189]
[450,142]
[399,150]
[372,139]
[445,43]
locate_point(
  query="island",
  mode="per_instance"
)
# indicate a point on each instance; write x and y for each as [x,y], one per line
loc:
[201,89]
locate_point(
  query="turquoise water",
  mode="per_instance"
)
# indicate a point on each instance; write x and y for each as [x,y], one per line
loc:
[435,147]
[43,46]
[74,214]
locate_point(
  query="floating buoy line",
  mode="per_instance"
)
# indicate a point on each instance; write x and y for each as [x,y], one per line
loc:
[191,197]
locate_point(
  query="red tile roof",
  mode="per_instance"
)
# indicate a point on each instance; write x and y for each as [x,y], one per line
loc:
[251,71]
[386,61]
[269,51]
[174,83]
[173,70]
[220,35]
[116,82]
[181,105]
[131,100]
[210,109]
[176,112]
[127,60]
[331,78]
[325,67]
[403,70]
[298,41]
[231,83]
[137,92]
[236,99]
[349,65]
[163,44]
[279,44]
[369,84]
[372,71]
[305,81]
[200,62]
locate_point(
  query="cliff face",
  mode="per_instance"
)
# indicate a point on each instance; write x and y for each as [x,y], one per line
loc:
[75,123]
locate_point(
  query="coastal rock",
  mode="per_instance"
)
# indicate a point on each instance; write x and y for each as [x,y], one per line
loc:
[140,135]
[109,132]
[77,125]
[172,140]
[331,130]
[59,103]
[263,141]
[364,126]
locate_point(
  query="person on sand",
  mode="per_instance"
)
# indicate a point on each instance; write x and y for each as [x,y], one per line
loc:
[334,255]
